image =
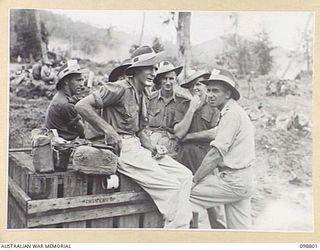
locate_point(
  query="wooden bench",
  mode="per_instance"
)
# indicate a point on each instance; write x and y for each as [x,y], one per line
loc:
[74,200]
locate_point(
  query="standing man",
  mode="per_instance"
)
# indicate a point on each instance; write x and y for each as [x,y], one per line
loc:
[162,107]
[195,120]
[61,113]
[123,124]
[232,152]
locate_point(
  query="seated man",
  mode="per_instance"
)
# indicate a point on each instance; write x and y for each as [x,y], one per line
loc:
[232,152]
[61,113]
[118,73]
[123,124]
[162,107]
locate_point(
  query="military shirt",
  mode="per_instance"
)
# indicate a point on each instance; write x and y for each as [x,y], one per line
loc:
[235,137]
[123,107]
[192,153]
[62,116]
[162,113]
[206,117]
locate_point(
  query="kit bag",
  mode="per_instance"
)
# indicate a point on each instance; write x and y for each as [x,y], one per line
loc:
[90,160]
[42,153]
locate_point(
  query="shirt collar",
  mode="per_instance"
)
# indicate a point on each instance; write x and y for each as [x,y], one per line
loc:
[70,99]
[227,107]
[129,82]
[172,98]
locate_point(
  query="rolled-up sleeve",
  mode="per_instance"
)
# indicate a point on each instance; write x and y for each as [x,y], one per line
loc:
[109,94]
[227,131]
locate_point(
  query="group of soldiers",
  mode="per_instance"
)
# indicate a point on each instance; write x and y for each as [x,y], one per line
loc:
[189,154]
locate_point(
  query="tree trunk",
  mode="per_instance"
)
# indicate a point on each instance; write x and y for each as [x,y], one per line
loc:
[142,28]
[183,40]
[43,45]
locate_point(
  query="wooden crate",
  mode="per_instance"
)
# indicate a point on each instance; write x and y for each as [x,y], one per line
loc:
[74,200]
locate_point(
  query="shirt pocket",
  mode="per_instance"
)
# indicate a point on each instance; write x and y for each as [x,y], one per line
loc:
[154,117]
[206,117]
[130,117]
[170,118]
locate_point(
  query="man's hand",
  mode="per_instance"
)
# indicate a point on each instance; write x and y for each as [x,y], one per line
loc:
[195,103]
[159,151]
[114,140]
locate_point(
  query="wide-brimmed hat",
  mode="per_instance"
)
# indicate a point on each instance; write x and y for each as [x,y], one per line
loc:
[71,67]
[118,71]
[193,76]
[142,57]
[225,77]
[166,67]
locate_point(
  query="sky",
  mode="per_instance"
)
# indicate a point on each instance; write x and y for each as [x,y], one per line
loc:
[284,28]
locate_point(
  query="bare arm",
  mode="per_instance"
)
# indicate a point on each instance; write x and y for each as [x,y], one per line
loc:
[182,128]
[205,136]
[80,129]
[209,163]
[86,108]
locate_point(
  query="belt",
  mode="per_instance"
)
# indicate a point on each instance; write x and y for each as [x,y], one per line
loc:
[126,136]
[159,129]
[123,136]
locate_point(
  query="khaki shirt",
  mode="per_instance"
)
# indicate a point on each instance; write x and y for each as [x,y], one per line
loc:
[123,107]
[62,116]
[206,117]
[235,137]
[162,114]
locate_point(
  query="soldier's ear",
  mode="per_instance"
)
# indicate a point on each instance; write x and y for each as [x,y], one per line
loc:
[228,93]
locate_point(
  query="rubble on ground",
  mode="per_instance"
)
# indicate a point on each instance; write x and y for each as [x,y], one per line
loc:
[282,87]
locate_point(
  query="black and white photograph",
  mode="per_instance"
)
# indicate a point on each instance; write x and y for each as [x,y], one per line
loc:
[160,119]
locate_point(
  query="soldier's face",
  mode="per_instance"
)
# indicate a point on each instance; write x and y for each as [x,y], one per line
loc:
[75,84]
[168,80]
[218,95]
[197,88]
[145,75]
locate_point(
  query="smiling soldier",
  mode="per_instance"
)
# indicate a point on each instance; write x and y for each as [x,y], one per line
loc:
[232,152]
[162,107]
[194,122]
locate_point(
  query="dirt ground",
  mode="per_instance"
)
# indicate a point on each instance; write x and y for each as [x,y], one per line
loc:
[283,200]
